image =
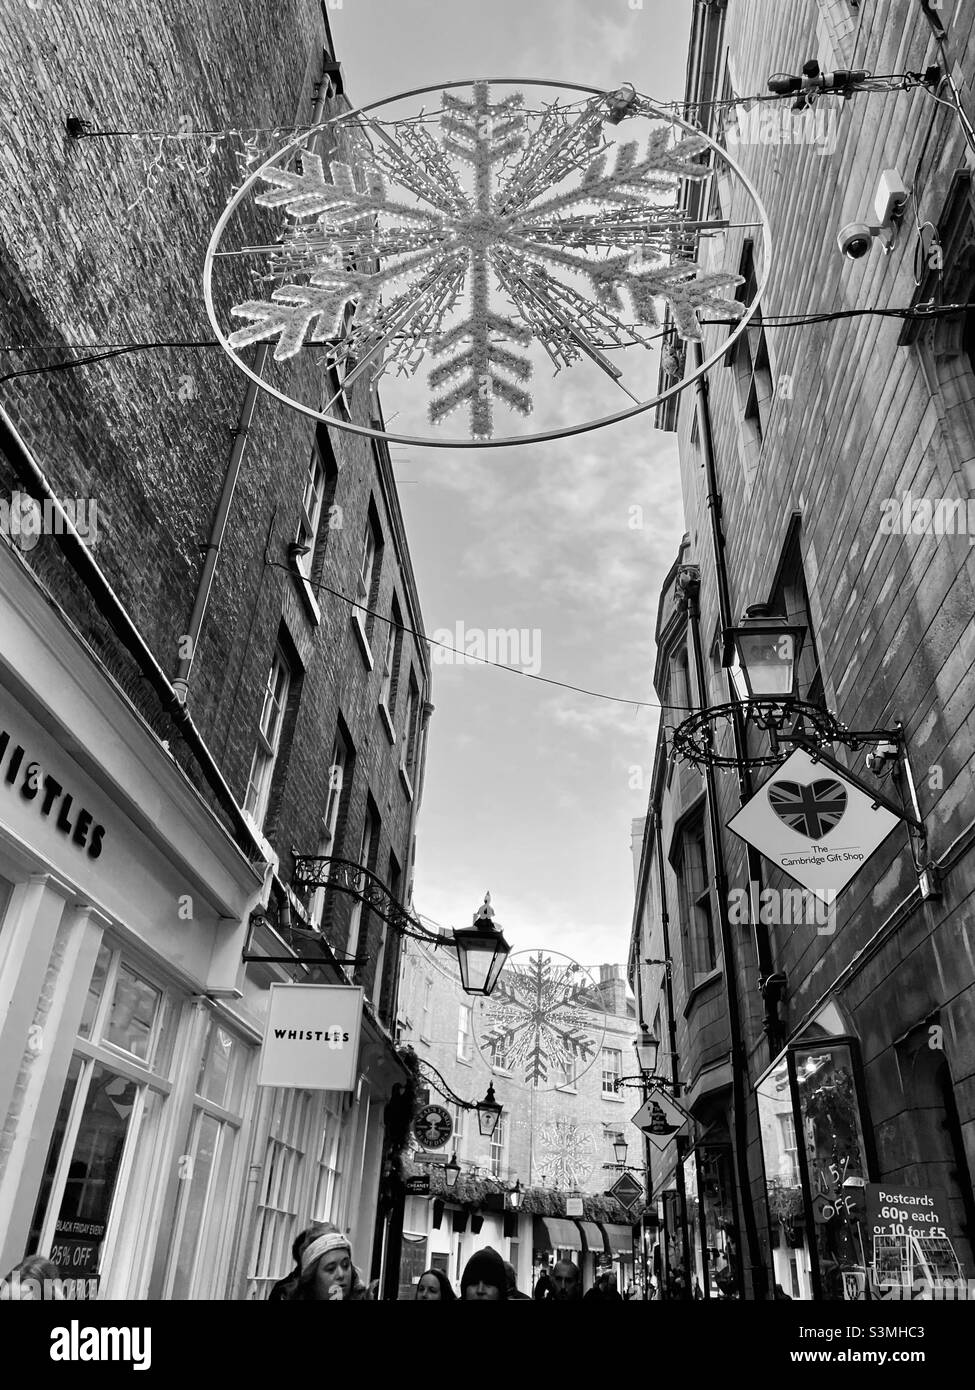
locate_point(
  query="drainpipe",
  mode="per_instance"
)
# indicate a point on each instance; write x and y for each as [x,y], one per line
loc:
[112,609]
[763,946]
[191,638]
[739,1059]
[672,1040]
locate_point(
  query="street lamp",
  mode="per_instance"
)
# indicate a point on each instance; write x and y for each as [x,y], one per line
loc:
[768,651]
[481,951]
[515,1195]
[620,1147]
[488,1113]
[451,1171]
[481,948]
[646,1047]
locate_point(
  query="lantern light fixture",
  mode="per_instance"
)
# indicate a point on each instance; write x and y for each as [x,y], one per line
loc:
[488,1113]
[767,648]
[451,1171]
[481,951]
[647,1049]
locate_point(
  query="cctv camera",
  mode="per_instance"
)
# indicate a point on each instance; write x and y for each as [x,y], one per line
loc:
[856,238]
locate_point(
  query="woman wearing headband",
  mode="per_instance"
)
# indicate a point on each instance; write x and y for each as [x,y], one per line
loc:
[326,1273]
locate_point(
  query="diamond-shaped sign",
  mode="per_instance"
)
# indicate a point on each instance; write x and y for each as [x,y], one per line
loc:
[626,1190]
[660,1118]
[814,823]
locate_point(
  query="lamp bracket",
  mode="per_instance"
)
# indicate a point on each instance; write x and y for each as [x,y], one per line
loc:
[437,1081]
[795,723]
[313,871]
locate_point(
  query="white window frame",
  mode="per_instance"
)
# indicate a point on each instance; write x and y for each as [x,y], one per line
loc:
[268,739]
[367,564]
[330,819]
[389,666]
[311,510]
[465,1012]
[355,920]
[609,1072]
[211,1254]
[125,1254]
[499,1148]
[425,1009]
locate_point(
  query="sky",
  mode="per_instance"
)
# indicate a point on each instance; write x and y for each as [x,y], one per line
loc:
[530,789]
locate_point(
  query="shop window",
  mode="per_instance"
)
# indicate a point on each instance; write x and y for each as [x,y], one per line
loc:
[91,1207]
[815,1204]
[697,916]
[612,1067]
[712,1222]
[412,1264]
[328,1177]
[198,1262]
[280,1194]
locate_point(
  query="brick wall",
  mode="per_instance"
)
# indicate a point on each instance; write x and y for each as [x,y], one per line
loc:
[90,256]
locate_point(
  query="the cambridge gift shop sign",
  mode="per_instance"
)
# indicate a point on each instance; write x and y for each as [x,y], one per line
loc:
[311,1042]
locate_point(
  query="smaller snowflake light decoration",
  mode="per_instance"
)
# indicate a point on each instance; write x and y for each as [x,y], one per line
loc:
[501,237]
[543,1022]
[566,1152]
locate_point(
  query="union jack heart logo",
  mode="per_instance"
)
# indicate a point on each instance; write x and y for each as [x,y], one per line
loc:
[813,808]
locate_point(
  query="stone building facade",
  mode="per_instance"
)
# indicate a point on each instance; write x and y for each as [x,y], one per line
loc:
[215,671]
[850,1037]
[554,1138]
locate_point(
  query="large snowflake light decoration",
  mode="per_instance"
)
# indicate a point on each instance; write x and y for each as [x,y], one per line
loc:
[566,1153]
[506,230]
[542,1021]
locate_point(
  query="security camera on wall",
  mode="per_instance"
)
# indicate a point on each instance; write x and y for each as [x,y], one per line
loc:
[856,238]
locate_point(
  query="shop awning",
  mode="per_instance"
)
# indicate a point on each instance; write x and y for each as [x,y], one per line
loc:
[593,1237]
[556,1232]
[619,1239]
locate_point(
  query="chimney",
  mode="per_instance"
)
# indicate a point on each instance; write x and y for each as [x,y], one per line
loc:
[612,986]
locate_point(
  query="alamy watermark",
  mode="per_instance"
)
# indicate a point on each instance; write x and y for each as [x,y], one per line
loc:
[784,907]
[773,124]
[24,520]
[471,646]
[925,516]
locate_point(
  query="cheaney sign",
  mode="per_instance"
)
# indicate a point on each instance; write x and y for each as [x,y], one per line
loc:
[25,776]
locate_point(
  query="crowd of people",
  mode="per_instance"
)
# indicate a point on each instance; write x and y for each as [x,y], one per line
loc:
[324,1273]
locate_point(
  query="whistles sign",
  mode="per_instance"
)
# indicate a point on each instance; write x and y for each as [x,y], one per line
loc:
[311,1041]
[26,777]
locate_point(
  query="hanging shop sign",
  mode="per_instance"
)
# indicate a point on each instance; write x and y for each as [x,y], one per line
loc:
[418,1186]
[573,1206]
[432,1126]
[660,1118]
[311,1041]
[627,1190]
[815,823]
